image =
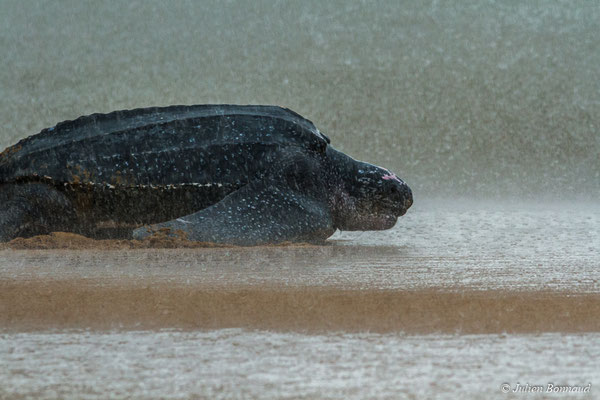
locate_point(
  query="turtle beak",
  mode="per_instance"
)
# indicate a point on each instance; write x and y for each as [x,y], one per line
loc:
[400,195]
[408,198]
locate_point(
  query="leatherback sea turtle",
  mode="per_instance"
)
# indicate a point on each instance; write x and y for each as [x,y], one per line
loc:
[243,175]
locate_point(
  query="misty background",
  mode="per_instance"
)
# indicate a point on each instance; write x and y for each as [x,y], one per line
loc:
[468,99]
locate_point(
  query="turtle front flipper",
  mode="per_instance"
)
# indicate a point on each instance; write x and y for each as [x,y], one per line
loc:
[262,212]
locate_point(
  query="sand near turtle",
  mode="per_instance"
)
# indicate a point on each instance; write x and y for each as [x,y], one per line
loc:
[479,282]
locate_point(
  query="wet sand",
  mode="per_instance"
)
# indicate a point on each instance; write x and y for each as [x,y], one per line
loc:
[241,364]
[494,277]
[443,268]
[69,304]
[458,297]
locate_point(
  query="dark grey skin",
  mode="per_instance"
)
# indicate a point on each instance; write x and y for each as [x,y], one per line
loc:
[242,175]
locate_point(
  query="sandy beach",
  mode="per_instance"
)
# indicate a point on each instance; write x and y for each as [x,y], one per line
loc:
[488,282]
[376,315]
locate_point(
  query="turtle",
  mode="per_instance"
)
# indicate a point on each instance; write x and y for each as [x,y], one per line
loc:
[231,174]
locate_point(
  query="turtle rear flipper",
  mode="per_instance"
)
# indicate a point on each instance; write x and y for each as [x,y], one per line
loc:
[33,209]
[262,212]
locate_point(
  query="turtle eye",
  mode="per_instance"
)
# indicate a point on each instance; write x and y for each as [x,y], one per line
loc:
[319,146]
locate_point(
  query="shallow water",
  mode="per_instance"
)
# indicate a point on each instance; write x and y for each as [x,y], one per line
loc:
[305,312]
[233,363]
[453,244]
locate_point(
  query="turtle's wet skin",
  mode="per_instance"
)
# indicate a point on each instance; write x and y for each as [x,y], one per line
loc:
[244,175]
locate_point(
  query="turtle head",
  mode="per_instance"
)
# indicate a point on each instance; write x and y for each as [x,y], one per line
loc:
[369,198]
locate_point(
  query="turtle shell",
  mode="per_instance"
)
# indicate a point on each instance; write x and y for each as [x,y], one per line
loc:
[159,146]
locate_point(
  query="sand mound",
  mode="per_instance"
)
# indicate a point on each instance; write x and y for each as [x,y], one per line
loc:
[71,241]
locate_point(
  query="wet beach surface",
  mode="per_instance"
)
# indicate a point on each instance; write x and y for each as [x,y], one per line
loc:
[459,296]
[234,363]
[451,244]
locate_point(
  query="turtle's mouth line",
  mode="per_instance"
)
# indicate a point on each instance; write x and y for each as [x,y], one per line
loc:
[385,221]
[376,221]
[391,210]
